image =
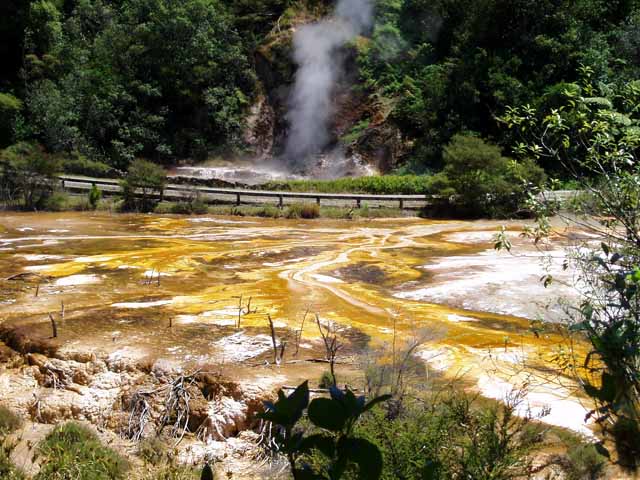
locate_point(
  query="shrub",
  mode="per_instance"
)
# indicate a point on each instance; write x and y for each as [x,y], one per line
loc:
[94,196]
[73,451]
[152,450]
[9,421]
[378,185]
[583,462]
[303,210]
[143,181]
[335,419]
[483,182]
[57,202]
[26,174]
[451,437]
[8,471]
[266,211]
[80,165]
[326,380]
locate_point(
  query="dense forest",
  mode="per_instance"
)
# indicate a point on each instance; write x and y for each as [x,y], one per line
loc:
[113,80]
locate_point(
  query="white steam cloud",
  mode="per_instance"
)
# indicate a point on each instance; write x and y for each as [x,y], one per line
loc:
[319,66]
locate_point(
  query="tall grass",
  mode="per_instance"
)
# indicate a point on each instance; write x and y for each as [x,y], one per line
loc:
[72,451]
[382,185]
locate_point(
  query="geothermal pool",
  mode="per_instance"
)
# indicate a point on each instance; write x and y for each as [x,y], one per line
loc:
[167,288]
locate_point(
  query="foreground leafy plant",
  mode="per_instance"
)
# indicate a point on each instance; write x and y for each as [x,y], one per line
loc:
[336,418]
[594,135]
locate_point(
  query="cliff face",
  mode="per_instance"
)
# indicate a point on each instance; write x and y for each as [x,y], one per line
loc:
[360,126]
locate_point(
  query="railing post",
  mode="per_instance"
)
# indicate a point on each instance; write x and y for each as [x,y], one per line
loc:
[280,201]
[401,204]
[358,202]
[318,200]
[237,199]
[62,182]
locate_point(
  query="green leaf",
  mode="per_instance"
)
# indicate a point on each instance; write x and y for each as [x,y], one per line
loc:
[287,410]
[207,473]
[365,454]
[320,442]
[328,414]
[608,389]
[375,401]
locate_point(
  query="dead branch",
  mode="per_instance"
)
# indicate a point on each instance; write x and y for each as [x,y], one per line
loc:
[298,337]
[277,356]
[139,416]
[54,327]
[331,344]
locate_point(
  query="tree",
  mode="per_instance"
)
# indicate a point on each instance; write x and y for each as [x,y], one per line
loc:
[594,134]
[144,181]
[10,107]
[26,173]
[482,181]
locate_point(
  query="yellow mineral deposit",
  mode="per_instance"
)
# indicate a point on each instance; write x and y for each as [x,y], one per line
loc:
[438,280]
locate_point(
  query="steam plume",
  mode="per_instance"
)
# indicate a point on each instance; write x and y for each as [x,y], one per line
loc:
[315,49]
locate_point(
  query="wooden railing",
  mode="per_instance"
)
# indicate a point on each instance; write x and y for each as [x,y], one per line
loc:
[240,195]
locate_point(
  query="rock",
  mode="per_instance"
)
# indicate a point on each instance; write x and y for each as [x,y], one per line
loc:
[381,145]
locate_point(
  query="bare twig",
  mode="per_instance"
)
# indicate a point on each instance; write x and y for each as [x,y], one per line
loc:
[54,327]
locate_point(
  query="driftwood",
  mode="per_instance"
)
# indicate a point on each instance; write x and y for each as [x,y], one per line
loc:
[175,413]
[24,276]
[139,416]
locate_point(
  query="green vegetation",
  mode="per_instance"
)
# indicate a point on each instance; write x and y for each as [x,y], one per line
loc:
[9,421]
[593,132]
[335,418]
[94,85]
[442,435]
[26,175]
[383,185]
[73,451]
[303,210]
[144,181]
[442,67]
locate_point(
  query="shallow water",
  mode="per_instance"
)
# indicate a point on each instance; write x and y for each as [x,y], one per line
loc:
[149,286]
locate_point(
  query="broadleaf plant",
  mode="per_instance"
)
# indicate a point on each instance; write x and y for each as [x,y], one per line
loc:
[335,418]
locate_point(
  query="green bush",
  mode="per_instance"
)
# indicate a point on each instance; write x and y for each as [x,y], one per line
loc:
[72,451]
[8,471]
[450,437]
[26,175]
[583,461]
[482,182]
[333,438]
[378,185]
[94,196]
[192,206]
[57,202]
[80,165]
[326,380]
[9,421]
[143,182]
[303,210]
